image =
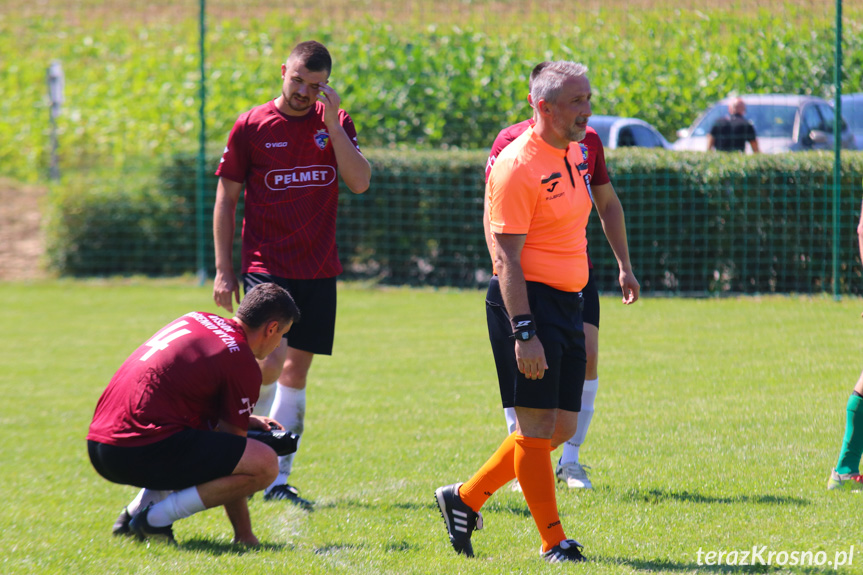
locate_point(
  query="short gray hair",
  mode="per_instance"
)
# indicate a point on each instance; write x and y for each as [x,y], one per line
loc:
[549,81]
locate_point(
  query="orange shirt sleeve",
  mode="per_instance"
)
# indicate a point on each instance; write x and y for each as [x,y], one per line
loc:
[512,197]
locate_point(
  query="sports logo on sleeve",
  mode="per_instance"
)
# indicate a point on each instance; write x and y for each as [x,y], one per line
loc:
[249,406]
[322,138]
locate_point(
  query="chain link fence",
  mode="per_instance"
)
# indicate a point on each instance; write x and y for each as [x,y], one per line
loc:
[429,85]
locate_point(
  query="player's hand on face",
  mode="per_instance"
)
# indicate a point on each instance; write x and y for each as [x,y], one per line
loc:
[331,101]
[530,356]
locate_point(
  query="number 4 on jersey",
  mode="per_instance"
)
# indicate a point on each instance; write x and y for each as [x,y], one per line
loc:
[161,340]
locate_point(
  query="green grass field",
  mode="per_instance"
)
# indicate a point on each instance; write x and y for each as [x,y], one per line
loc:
[717,423]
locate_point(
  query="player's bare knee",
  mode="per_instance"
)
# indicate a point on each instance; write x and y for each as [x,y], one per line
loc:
[269,474]
[260,463]
[565,426]
[590,368]
[267,470]
[293,375]
[271,366]
[560,436]
[295,369]
[592,355]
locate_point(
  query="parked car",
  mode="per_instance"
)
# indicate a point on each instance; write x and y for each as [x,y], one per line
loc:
[852,111]
[617,132]
[783,123]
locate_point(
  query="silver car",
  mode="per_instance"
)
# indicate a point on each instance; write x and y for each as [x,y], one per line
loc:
[852,111]
[618,132]
[783,123]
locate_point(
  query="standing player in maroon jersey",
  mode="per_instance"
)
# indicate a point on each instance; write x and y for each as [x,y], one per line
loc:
[174,418]
[288,155]
[569,470]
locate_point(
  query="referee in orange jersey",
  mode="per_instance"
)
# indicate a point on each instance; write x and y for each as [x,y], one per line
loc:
[539,201]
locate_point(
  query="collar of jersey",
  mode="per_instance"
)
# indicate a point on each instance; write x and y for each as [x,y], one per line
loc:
[547,148]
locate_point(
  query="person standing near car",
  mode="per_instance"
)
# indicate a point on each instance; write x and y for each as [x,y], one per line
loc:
[288,154]
[731,133]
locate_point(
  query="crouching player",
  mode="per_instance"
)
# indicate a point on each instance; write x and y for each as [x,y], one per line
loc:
[173,419]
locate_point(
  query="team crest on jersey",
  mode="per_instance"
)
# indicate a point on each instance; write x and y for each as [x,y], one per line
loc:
[322,138]
[583,151]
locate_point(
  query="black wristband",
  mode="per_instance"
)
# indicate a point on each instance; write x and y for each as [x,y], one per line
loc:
[522,322]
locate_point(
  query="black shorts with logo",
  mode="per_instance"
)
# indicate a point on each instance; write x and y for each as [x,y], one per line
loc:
[559,327]
[187,458]
[316,299]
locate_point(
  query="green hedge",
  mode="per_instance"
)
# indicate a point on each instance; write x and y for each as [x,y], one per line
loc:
[102,225]
[731,223]
[698,223]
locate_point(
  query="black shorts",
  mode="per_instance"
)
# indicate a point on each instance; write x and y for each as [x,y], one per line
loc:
[591,302]
[187,458]
[559,328]
[317,302]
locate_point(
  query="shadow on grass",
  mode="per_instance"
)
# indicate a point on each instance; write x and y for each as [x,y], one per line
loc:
[201,544]
[694,567]
[375,505]
[334,548]
[661,495]
[391,547]
[504,505]
[401,547]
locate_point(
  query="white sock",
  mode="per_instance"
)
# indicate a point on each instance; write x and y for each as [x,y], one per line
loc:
[289,409]
[265,399]
[178,505]
[509,414]
[572,445]
[143,499]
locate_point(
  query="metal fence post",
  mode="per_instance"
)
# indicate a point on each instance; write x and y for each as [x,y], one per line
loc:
[837,149]
[56,89]
[202,153]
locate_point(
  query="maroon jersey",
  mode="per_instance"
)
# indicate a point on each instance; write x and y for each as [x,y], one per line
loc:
[290,172]
[596,169]
[195,371]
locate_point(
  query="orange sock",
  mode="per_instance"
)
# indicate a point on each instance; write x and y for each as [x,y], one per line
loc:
[534,472]
[494,474]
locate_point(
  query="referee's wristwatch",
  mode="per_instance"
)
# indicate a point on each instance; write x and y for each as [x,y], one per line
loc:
[524,334]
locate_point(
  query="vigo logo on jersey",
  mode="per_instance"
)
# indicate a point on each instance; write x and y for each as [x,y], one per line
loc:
[301,177]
